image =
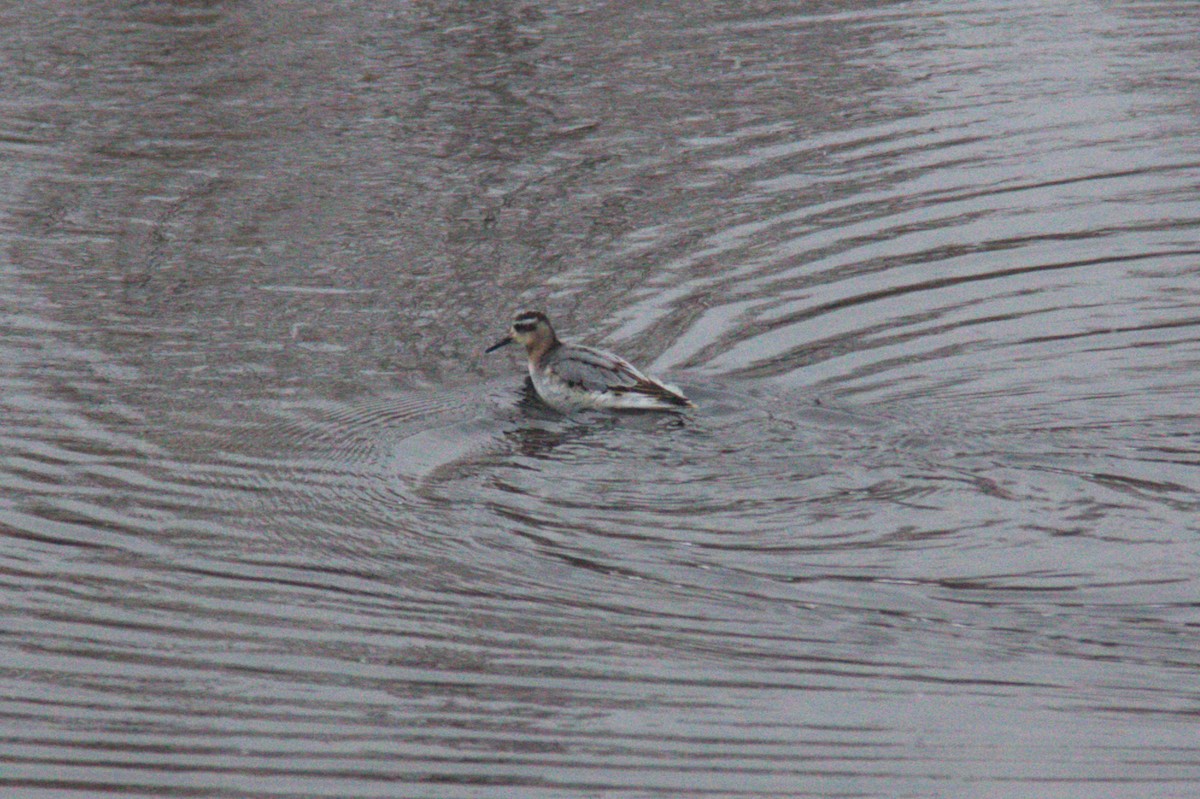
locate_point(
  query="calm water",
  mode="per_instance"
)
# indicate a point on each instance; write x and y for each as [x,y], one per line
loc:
[274,526]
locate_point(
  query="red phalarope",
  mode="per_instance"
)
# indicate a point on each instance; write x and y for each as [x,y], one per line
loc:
[569,377]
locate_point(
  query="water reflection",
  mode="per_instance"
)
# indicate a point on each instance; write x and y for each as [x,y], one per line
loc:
[272,523]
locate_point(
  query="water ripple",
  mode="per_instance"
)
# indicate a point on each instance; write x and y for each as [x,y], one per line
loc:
[273,524]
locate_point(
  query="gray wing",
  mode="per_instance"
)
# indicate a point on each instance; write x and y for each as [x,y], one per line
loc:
[595,370]
[599,371]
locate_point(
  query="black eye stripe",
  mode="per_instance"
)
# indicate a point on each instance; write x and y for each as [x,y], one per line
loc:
[524,327]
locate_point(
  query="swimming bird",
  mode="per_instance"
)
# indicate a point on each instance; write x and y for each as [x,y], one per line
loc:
[568,377]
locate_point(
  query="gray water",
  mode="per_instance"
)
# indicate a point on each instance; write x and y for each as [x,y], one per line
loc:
[274,526]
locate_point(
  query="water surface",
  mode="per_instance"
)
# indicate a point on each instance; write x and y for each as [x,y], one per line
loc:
[274,525]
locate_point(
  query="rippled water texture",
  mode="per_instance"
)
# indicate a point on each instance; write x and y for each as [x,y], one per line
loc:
[274,526]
